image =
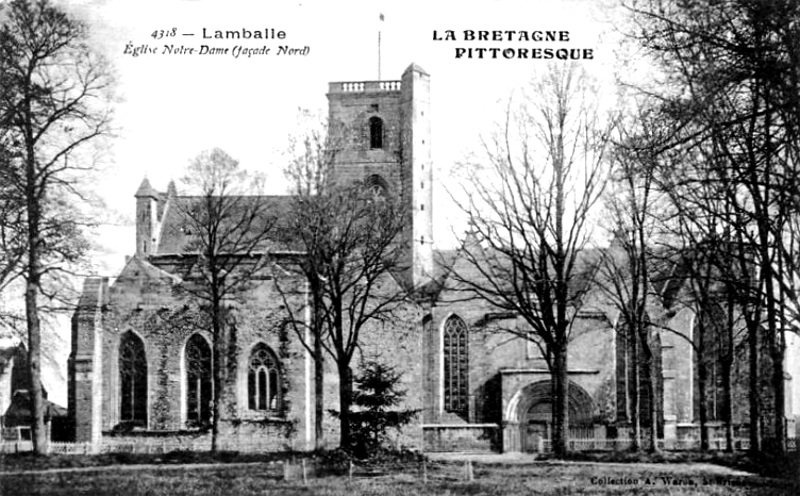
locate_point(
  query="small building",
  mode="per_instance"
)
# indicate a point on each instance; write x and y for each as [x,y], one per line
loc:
[15,399]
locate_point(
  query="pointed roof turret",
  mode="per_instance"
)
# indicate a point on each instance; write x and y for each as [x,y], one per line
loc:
[145,190]
[172,191]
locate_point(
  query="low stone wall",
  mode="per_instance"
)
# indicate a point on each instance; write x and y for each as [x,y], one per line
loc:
[271,435]
[461,437]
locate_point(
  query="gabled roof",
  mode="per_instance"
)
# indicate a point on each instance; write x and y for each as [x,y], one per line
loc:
[139,268]
[582,277]
[19,411]
[6,355]
[177,227]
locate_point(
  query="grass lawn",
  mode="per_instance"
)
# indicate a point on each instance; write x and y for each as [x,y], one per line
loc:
[524,479]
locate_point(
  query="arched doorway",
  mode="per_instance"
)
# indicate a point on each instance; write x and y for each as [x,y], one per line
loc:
[534,412]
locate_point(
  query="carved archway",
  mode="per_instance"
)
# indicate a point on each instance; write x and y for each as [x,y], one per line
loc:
[531,408]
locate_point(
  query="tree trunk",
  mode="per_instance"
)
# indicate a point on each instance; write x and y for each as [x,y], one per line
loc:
[38,430]
[34,273]
[345,403]
[776,354]
[727,411]
[727,366]
[217,371]
[636,421]
[652,390]
[319,393]
[779,391]
[778,379]
[560,401]
[754,390]
[701,385]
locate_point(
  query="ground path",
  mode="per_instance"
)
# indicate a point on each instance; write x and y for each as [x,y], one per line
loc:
[526,458]
[483,458]
[135,467]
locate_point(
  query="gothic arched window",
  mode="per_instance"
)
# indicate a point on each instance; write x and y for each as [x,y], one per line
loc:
[263,380]
[199,387]
[133,380]
[632,370]
[456,366]
[710,351]
[375,132]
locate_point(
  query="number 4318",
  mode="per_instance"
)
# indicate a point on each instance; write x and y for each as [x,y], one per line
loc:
[164,33]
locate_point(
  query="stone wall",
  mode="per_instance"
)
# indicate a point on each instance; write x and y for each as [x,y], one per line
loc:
[397,342]
[468,437]
[164,316]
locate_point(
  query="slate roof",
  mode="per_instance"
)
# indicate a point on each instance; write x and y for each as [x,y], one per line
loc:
[138,267]
[6,355]
[146,190]
[583,274]
[176,228]
[19,411]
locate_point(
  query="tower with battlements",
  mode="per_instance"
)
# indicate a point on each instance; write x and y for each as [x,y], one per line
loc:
[385,138]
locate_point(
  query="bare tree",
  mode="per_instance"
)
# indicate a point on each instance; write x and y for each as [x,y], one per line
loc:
[230,232]
[351,244]
[733,84]
[53,90]
[531,193]
[311,156]
[624,270]
[702,248]
[12,239]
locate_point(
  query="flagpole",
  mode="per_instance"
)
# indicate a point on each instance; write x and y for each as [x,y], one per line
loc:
[380,18]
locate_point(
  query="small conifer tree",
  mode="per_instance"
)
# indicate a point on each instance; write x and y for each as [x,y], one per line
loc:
[376,395]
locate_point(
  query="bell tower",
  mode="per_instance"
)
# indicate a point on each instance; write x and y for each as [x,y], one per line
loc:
[387,145]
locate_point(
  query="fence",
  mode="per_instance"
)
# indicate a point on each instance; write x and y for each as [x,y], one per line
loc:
[599,444]
[141,446]
[165,445]
[425,470]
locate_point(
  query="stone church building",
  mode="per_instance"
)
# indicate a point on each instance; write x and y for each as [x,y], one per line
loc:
[140,363]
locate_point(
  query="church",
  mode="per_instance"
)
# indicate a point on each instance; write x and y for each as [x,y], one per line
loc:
[140,363]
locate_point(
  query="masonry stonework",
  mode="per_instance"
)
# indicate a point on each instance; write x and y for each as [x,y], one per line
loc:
[384,129]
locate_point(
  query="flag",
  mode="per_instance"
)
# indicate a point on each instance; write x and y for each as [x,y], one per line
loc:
[381,17]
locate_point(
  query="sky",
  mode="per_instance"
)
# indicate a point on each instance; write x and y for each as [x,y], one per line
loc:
[170,107]
[173,106]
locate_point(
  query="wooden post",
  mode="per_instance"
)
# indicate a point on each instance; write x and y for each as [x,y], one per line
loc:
[350,471]
[470,474]
[285,470]
[305,479]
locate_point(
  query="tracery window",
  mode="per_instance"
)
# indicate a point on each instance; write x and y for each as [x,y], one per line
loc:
[199,389]
[133,380]
[456,366]
[710,351]
[375,132]
[263,380]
